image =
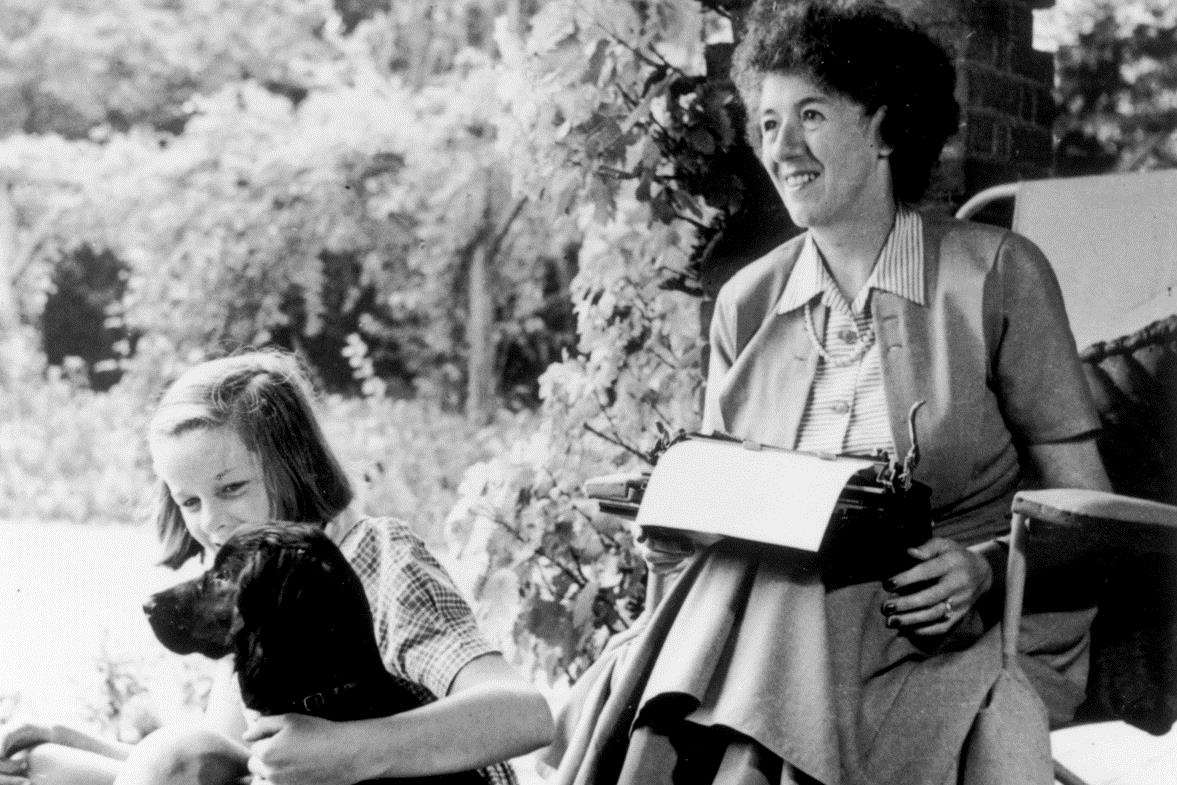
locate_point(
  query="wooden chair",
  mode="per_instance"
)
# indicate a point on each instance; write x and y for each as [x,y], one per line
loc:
[1113,243]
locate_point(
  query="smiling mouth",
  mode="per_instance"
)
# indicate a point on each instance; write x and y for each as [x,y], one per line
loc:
[800,179]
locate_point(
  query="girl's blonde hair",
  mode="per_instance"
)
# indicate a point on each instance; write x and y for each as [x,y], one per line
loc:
[265,397]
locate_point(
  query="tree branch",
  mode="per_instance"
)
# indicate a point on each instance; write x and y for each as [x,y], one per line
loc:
[617,442]
[500,234]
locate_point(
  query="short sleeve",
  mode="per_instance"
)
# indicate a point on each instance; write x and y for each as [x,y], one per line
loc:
[425,629]
[1043,393]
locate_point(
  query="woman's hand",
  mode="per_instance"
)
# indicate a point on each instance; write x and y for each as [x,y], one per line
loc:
[932,596]
[665,550]
[290,749]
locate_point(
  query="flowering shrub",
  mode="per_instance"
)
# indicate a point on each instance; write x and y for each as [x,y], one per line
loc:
[624,129]
[66,452]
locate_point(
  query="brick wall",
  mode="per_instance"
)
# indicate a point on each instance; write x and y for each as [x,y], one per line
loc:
[1004,88]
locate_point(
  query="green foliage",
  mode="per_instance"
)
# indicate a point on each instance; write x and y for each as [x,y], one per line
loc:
[621,128]
[319,183]
[74,68]
[66,452]
[1117,85]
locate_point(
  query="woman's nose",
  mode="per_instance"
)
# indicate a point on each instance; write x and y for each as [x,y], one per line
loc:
[787,142]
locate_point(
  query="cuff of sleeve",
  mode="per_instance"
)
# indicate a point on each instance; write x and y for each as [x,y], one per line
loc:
[439,674]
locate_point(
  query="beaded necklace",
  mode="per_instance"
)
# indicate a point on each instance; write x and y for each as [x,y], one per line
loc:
[867,336]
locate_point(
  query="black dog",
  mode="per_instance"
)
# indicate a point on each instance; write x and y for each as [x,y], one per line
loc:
[285,602]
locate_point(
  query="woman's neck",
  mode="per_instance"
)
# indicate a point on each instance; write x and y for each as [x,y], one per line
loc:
[851,249]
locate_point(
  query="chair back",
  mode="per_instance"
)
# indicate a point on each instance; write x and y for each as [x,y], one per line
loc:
[1133,655]
[1112,241]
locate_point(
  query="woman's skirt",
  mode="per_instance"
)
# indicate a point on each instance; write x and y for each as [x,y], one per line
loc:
[750,671]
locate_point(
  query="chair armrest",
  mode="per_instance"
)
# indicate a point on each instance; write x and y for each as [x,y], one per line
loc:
[1083,519]
[1137,525]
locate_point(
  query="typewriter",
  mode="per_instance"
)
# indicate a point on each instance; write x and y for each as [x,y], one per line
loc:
[879,512]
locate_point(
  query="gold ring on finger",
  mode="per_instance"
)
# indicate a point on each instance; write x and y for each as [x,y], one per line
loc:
[947,608]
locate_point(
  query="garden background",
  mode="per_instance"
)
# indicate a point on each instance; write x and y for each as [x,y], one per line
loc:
[484,224]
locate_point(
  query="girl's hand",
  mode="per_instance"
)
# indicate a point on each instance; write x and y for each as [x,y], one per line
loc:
[22,736]
[14,771]
[932,596]
[295,749]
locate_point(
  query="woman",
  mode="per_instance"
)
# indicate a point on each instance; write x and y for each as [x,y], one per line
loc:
[235,443]
[750,670]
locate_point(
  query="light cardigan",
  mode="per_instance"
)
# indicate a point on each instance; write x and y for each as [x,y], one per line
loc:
[990,351]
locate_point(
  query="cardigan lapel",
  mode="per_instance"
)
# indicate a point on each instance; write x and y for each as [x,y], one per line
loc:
[765,392]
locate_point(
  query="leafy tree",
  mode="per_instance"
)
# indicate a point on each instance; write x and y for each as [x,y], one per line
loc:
[307,178]
[72,67]
[1117,85]
[485,258]
[628,124]
[87,70]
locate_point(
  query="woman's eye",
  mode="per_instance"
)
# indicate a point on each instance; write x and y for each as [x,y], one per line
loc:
[190,504]
[768,126]
[233,488]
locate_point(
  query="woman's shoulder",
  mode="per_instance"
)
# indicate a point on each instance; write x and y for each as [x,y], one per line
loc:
[768,273]
[987,246]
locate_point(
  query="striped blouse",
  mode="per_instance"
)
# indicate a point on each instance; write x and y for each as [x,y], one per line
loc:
[847,409]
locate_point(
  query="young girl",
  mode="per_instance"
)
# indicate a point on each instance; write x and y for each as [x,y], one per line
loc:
[234,443]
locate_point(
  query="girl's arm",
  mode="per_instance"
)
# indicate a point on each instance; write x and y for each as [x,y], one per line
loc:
[57,755]
[26,736]
[490,714]
[225,712]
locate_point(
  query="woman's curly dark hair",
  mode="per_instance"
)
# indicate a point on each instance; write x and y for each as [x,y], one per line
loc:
[871,54]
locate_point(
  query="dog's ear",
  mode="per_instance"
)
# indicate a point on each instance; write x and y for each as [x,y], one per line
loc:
[278,580]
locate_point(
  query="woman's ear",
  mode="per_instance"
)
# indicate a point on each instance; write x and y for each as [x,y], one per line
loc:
[875,129]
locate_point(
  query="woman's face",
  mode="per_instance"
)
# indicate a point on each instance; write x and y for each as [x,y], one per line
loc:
[822,152]
[215,481]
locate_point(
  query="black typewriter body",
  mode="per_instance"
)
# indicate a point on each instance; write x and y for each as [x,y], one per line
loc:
[871,529]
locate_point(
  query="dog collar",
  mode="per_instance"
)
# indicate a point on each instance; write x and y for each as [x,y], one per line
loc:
[317,702]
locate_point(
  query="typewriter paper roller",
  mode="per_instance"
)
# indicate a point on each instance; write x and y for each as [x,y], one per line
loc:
[762,494]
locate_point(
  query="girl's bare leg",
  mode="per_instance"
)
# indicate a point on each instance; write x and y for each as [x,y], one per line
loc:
[55,764]
[183,756]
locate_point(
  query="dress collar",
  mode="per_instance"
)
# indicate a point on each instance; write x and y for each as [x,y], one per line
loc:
[899,268]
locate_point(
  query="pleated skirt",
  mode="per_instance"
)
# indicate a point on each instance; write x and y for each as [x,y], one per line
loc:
[749,672]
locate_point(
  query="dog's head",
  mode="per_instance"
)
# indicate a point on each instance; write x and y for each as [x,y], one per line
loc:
[198,615]
[276,586]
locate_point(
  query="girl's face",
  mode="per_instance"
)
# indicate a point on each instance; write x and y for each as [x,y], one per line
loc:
[822,152]
[215,481]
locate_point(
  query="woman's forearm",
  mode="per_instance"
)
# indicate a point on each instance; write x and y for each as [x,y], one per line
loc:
[996,554]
